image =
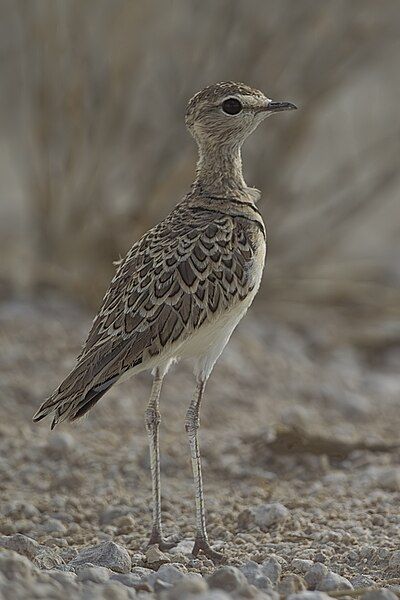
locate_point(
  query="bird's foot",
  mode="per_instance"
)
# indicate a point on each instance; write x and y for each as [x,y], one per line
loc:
[202,544]
[164,543]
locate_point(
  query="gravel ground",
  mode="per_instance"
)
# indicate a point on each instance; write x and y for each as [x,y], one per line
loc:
[301,457]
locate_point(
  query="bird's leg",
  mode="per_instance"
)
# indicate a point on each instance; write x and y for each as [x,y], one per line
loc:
[192,423]
[153,419]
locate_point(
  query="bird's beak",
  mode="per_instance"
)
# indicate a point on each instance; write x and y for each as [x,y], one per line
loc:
[278,106]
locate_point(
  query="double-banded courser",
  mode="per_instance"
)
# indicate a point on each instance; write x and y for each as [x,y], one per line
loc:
[183,287]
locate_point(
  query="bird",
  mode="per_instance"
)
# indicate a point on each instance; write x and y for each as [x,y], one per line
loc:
[182,288]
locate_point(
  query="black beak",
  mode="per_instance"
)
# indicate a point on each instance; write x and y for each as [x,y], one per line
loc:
[279,106]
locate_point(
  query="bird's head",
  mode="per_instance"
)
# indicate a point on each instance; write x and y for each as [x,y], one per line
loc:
[227,113]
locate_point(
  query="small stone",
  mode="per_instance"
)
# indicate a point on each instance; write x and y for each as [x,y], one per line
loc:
[315,574]
[166,572]
[301,565]
[113,513]
[184,547]
[264,516]
[182,559]
[20,543]
[128,579]
[308,595]
[63,577]
[8,528]
[125,524]
[15,509]
[394,560]
[112,590]
[381,594]
[389,479]
[154,556]
[73,528]
[141,572]
[291,584]
[91,573]
[107,554]
[378,520]
[47,558]
[15,567]
[272,569]
[227,578]
[332,581]
[62,516]
[69,554]
[60,443]
[362,581]
[53,525]
[66,569]
[187,587]
[271,514]
[245,520]
[254,575]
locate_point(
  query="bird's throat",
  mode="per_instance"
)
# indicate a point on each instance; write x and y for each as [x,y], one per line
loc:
[219,170]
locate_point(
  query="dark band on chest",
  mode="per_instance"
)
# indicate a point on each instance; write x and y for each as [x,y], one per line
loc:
[259,224]
[238,203]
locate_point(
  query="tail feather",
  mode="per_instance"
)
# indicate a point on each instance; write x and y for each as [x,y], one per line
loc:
[88,402]
[91,398]
[74,406]
[90,379]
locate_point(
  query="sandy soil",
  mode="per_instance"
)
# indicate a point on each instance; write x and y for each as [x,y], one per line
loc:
[305,416]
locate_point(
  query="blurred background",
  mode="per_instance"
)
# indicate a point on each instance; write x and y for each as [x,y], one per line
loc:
[94,151]
[93,147]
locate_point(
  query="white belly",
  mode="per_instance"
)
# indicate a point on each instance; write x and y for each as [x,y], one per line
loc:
[207,344]
[204,346]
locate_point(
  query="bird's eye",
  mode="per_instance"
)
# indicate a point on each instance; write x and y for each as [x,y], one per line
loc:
[231,106]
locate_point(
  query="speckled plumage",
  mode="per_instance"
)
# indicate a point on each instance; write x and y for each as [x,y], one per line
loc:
[183,287]
[186,271]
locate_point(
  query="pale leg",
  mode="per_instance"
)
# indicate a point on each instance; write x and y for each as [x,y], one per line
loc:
[153,419]
[192,424]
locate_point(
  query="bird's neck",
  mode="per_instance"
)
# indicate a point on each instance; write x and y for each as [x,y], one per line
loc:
[219,170]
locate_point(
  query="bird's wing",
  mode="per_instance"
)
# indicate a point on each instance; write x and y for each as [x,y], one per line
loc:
[186,270]
[183,271]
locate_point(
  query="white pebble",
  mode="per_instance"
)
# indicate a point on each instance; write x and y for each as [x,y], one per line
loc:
[332,581]
[266,515]
[92,573]
[301,565]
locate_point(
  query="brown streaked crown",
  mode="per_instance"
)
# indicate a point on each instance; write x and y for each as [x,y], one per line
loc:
[218,91]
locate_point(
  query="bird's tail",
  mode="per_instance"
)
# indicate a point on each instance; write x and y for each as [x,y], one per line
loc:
[93,375]
[67,405]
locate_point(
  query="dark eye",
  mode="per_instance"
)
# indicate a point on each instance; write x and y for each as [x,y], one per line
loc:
[231,106]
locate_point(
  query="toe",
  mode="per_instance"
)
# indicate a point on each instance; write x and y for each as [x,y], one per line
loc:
[162,542]
[203,545]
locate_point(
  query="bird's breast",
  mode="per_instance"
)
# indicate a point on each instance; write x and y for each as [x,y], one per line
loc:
[256,265]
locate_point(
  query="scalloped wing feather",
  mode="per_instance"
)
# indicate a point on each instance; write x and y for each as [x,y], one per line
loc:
[188,269]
